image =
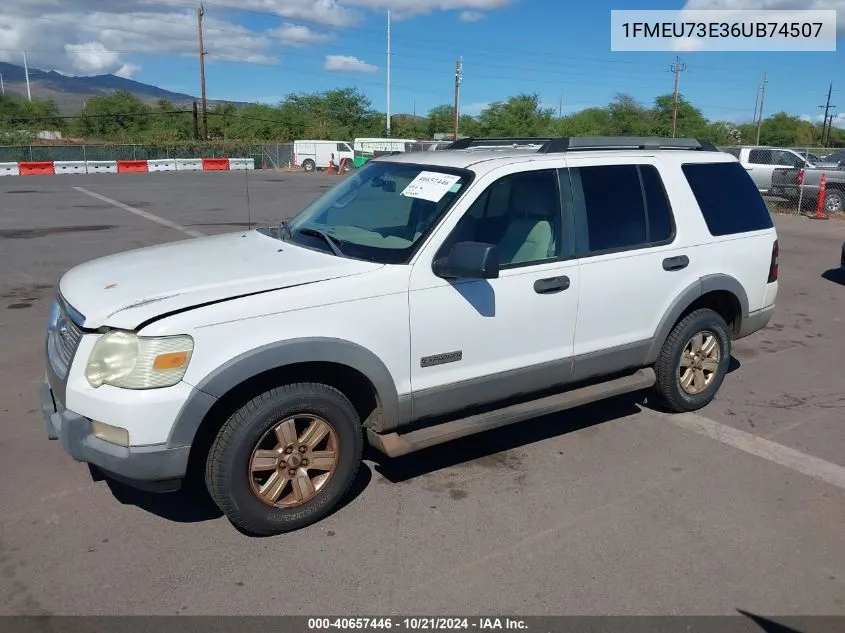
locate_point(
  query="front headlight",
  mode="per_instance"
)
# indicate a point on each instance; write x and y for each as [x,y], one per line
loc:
[123,359]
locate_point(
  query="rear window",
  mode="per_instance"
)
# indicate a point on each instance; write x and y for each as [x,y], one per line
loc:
[728,198]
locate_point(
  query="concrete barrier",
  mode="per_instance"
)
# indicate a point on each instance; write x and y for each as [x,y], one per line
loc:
[189,164]
[241,163]
[10,169]
[36,168]
[131,166]
[102,166]
[69,167]
[161,164]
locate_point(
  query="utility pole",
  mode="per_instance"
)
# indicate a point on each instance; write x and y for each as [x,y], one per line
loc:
[762,101]
[458,76]
[196,123]
[200,13]
[826,107]
[560,107]
[388,72]
[26,72]
[677,68]
[2,85]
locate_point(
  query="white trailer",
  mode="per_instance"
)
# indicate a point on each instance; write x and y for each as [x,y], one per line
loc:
[311,155]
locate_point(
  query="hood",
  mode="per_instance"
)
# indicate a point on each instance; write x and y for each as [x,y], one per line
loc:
[127,289]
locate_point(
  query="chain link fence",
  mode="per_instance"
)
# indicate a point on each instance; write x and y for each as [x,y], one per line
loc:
[790,179]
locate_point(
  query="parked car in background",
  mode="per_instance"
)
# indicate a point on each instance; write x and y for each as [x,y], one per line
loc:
[803,185]
[820,162]
[368,148]
[311,155]
[837,157]
[760,162]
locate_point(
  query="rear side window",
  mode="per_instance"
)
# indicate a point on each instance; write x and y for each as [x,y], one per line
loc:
[728,198]
[625,207]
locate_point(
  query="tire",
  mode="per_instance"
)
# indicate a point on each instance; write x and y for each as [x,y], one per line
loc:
[308,165]
[234,484]
[834,201]
[670,390]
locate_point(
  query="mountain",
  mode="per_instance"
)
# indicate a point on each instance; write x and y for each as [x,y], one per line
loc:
[71,92]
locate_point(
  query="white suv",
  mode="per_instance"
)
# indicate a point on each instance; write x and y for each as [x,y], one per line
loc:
[429,296]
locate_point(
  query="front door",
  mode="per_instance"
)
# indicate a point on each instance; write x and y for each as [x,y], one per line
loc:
[478,341]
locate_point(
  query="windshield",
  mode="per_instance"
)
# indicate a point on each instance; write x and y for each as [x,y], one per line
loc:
[380,213]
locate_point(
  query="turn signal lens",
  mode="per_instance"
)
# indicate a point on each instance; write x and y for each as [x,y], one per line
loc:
[172,360]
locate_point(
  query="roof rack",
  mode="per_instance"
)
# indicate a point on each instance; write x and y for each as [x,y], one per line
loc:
[557,144]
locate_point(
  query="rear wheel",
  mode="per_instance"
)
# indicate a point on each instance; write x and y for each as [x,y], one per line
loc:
[834,201]
[285,459]
[694,361]
[308,165]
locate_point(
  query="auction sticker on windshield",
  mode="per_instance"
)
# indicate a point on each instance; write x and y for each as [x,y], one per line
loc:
[430,185]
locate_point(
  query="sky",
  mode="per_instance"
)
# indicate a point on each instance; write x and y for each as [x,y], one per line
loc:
[261,50]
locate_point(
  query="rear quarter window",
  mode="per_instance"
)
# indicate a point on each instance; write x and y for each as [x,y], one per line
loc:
[728,198]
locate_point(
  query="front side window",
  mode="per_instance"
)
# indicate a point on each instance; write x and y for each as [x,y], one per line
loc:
[381,212]
[519,213]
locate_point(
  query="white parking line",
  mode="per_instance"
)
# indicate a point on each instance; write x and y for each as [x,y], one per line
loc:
[144,214]
[768,450]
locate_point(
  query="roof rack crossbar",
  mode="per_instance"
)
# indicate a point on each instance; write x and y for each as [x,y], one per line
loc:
[558,144]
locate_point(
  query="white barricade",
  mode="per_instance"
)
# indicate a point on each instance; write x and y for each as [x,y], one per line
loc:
[70,167]
[102,166]
[10,169]
[189,164]
[161,164]
[241,163]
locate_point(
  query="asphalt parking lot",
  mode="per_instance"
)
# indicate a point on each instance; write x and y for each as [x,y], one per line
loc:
[608,509]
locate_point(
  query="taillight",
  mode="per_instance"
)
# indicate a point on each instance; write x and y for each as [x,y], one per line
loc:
[773,266]
[799,178]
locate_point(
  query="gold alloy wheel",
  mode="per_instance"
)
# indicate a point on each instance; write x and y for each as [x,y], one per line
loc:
[700,362]
[293,461]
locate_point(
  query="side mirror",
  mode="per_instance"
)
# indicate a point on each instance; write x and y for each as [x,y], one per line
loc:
[469,260]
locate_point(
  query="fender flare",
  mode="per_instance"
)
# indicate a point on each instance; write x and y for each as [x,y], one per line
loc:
[687,297]
[276,355]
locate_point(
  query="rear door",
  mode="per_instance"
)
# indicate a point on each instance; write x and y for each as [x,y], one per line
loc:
[633,262]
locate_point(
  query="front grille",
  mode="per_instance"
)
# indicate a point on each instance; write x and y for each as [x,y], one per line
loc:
[63,336]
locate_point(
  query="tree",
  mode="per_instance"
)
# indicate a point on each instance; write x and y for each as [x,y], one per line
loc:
[120,114]
[690,121]
[522,115]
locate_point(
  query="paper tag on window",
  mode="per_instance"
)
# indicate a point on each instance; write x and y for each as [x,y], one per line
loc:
[430,185]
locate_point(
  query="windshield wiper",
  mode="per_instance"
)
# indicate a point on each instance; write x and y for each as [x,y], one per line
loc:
[328,239]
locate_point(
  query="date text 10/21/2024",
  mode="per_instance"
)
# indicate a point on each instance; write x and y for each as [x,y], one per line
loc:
[417,623]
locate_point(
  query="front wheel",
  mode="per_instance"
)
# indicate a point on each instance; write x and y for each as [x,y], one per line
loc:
[285,459]
[694,361]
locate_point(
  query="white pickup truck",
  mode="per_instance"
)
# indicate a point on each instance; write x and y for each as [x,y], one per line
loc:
[761,161]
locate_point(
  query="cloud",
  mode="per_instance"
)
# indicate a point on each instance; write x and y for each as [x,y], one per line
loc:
[298,35]
[105,36]
[346,63]
[473,109]
[471,16]
[838,119]
[776,5]
[403,9]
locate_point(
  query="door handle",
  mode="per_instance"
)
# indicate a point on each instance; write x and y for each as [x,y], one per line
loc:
[551,285]
[676,263]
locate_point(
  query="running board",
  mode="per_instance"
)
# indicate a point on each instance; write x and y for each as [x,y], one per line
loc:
[395,445]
